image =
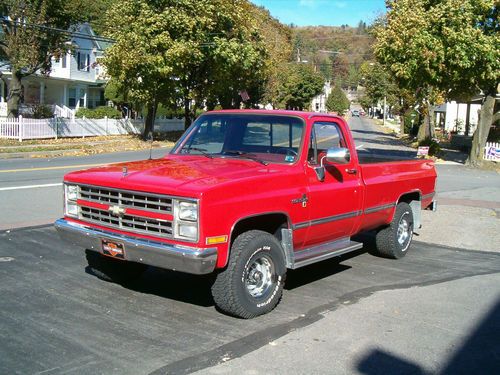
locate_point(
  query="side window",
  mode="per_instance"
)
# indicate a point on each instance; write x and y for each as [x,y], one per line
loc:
[324,135]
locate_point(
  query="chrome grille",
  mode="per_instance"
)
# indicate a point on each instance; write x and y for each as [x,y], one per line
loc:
[126,199]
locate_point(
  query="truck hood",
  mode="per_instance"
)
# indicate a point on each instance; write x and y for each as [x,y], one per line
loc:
[174,175]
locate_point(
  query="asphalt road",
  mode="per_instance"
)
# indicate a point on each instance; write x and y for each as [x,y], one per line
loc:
[55,318]
[30,189]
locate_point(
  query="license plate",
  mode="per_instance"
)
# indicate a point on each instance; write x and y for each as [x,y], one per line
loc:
[113,249]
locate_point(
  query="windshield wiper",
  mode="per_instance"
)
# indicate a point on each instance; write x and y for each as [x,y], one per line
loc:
[201,150]
[246,155]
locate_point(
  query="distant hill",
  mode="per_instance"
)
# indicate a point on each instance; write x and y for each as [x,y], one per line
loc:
[348,47]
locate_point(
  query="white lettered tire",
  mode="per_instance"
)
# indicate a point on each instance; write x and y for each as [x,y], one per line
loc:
[394,241]
[252,283]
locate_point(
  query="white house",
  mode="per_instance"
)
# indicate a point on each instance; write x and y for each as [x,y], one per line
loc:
[319,102]
[76,79]
[452,116]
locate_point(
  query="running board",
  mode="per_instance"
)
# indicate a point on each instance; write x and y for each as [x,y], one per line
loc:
[324,251]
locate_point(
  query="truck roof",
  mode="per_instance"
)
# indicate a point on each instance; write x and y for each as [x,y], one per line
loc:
[303,114]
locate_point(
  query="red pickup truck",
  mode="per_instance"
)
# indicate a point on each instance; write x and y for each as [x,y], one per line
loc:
[245,194]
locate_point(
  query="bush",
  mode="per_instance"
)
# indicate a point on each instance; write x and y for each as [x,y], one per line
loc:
[434,147]
[99,112]
[42,111]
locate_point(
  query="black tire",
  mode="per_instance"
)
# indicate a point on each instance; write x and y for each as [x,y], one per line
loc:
[113,270]
[252,283]
[393,241]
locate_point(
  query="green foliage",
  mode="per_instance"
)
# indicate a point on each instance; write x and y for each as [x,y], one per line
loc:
[98,113]
[298,85]
[434,147]
[42,111]
[444,46]
[337,101]
[172,50]
[29,48]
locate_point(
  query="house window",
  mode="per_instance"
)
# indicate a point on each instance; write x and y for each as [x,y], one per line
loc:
[72,98]
[83,61]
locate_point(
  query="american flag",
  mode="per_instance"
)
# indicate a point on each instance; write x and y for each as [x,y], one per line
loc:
[244,95]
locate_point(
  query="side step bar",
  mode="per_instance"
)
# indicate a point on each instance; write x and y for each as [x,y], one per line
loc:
[317,253]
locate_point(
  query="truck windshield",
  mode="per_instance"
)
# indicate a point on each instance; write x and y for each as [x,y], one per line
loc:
[263,138]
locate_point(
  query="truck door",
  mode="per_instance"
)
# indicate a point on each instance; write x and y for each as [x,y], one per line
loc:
[334,203]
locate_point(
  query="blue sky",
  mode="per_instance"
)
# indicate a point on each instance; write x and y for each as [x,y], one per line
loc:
[323,12]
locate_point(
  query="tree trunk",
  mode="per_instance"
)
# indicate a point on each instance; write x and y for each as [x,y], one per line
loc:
[482,131]
[150,119]
[15,94]
[426,128]
[187,113]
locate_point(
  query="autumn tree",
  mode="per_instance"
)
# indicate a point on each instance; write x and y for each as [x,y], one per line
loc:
[444,47]
[30,40]
[337,101]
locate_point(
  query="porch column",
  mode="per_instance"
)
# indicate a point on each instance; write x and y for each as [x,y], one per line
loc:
[2,90]
[42,92]
[65,96]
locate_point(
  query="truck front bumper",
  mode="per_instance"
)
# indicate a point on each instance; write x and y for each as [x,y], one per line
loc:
[174,257]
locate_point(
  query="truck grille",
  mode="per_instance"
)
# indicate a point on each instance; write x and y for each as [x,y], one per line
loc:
[142,204]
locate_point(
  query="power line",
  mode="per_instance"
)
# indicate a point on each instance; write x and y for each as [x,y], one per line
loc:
[61,31]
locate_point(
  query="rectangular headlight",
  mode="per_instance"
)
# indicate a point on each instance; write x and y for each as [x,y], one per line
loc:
[71,192]
[189,231]
[71,209]
[188,211]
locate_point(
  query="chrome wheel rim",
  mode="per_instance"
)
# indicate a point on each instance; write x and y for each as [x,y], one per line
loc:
[259,276]
[404,231]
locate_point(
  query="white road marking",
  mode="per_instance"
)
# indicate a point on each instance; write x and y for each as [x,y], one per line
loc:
[29,187]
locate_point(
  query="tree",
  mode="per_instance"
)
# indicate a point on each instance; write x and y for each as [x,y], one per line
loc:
[30,40]
[337,101]
[449,47]
[298,85]
[192,51]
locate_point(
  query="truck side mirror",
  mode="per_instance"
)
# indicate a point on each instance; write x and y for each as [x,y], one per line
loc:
[339,155]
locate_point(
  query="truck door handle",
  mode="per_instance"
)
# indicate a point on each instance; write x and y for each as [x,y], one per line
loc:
[351,171]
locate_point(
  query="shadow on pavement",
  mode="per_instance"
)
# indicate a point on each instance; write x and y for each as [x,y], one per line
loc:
[479,354]
[178,286]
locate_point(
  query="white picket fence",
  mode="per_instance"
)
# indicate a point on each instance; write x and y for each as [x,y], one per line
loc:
[23,128]
[492,151]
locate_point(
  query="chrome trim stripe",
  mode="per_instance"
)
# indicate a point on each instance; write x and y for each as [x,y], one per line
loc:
[427,196]
[379,208]
[325,220]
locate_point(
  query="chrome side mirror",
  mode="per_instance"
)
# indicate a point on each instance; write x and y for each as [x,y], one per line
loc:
[339,155]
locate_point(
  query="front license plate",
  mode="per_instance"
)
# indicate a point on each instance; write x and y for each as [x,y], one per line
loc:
[113,249]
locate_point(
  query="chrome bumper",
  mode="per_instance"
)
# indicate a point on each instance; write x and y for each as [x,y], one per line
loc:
[185,259]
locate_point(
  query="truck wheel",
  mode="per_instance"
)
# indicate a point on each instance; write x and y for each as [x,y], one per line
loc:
[394,240]
[252,283]
[110,269]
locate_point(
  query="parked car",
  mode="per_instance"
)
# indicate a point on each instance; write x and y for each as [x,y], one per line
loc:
[246,195]
[355,113]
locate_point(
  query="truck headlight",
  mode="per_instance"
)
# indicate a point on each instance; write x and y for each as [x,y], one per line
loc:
[188,211]
[71,192]
[186,220]
[188,231]
[70,197]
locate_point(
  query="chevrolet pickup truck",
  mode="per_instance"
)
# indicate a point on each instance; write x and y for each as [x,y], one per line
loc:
[245,195]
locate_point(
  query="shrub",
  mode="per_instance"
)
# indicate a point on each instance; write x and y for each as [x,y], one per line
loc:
[99,112]
[434,147]
[42,111]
